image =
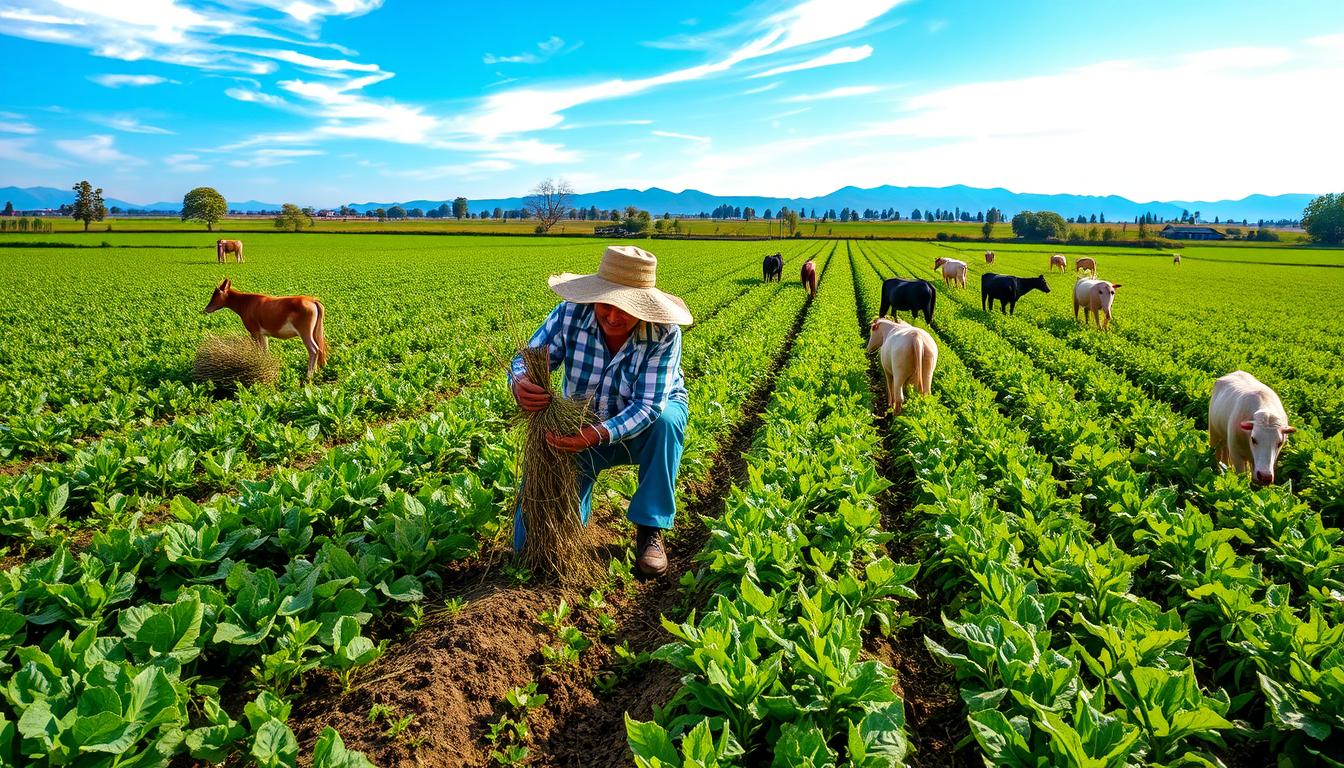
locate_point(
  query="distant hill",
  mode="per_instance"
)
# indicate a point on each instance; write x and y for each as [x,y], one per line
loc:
[690,202]
[906,199]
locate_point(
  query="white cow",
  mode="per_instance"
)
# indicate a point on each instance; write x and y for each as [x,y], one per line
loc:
[908,354]
[1094,296]
[954,271]
[1247,425]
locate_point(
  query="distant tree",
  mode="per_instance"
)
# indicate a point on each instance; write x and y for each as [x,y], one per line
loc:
[548,201]
[767,214]
[204,204]
[1143,228]
[292,218]
[1101,218]
[499,213]
[1323,219]
[748,213]
[1107,235]
[791,222]
[987,229]
[9,208]
[1093,233]
[396,212]
[636,222]
[460,207]
[88,204]
[1039,226]
[916,215]
[928,216]
[415,213]
[114,210]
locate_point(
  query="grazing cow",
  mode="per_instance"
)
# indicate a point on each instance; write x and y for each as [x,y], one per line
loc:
[989,257]
[1094,296]
[772,268]
[1059,260]
[223,247]
[954,271]
[913,295]
[1086,262]
[1176,259]
[1007,289]
[908,356]
[1247,425]
[280,317]
[809,276]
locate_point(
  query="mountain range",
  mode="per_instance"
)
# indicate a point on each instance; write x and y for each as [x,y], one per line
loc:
[903,199]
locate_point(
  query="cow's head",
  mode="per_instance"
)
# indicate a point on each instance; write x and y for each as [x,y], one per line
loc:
[1040,283]
[1267,439]
[218,298]
[877,332]
[938,262]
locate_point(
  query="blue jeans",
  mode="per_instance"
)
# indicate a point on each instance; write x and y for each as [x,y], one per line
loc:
[657,452]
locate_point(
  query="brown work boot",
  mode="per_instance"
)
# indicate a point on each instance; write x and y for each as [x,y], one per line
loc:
[652,560]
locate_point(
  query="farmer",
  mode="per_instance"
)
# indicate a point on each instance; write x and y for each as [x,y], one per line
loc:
[617,337]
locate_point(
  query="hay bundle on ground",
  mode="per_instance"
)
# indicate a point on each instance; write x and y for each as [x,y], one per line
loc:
[557,543]
[228,361]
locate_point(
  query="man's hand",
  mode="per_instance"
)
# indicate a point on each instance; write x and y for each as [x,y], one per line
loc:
[530,397]
[589,436]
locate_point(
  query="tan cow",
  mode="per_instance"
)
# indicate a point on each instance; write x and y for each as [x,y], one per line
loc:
[1058,260]
[1247,425]
[989,257]
[954,271]
[1085,263]
[1094,296]
[908,355]
[223,247]
[1176,259]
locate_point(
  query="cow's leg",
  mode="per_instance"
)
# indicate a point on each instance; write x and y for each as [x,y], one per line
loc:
[1075,310]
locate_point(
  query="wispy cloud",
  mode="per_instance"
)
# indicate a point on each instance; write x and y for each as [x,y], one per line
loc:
[847,55]
[98,149]
[267,158]
[136,81]
[256,97]
[129,124]
[15,126]
[545,50]
[789,113]
[185,163]
[472,169]
[843,92]
[937,25]
[762,88]
[20,151]
[682,136]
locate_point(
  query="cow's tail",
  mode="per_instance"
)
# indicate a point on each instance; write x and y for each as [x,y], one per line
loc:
[321,335]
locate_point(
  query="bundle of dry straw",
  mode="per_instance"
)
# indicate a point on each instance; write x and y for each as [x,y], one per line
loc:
[557,544]
[229,361]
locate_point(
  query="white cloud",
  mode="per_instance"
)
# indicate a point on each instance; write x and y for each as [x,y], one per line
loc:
[256,97]
[475,169]
[762,89]
[97,149]
[19,151]
[847,55]
[185,163]
[937,25]
[532,109]
[789,113]
[267,158]
[129,124]
[682,136]
[548,48]
[834,93]
[312,62]
[17,127]
[137,81]
[23,14]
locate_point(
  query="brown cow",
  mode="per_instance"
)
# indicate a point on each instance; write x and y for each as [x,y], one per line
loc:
[1059,260]
[989,257]
[280,317]
[1086,263]
[1176,259]
[229,246]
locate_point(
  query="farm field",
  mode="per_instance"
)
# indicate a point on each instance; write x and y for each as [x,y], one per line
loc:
[1036,565]
[692,226]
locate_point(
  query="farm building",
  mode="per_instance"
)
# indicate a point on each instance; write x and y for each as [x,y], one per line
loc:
[1177,232]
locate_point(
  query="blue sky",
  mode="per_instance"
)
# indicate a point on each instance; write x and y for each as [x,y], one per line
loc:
[330,101]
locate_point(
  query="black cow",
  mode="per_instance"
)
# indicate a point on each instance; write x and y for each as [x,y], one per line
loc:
[913,295]
[1007,289]
[772,267]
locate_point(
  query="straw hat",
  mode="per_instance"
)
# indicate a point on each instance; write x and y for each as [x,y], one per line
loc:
[624,279]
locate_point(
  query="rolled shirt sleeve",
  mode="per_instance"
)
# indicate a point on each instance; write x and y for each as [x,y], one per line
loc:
[651,389]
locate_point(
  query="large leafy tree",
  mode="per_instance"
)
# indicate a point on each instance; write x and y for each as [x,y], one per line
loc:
[1040,225]
[88,204]
[460,208]
[1323,218]
[292,218]
[204,204]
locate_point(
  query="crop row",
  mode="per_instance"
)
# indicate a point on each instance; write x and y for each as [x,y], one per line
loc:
[1058,662]
[278,581]
[117,476]
[1124,460]
[796,570]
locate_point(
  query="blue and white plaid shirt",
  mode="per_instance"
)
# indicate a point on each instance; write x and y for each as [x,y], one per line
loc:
[629,388]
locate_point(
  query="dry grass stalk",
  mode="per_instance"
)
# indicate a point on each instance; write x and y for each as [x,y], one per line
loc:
[557,544]
[229,361]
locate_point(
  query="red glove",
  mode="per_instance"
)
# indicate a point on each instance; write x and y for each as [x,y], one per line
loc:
[530,397]
[589,436]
